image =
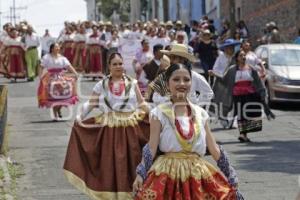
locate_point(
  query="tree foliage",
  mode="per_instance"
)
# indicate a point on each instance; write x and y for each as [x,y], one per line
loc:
[122,7]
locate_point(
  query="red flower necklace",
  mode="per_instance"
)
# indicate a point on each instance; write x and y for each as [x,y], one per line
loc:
[191,126]
[117,90]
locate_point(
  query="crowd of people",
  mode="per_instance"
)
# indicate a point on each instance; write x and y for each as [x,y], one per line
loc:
[152,133]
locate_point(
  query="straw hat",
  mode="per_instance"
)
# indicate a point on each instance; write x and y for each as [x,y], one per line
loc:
[180,50]
[169,23]
[179,23]
[101,23]
[108,23]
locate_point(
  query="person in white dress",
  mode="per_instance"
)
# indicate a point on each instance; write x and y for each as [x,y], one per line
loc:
[180,130]
[104,150]
[79,50]
[252,60]
[56,89]
[13,62]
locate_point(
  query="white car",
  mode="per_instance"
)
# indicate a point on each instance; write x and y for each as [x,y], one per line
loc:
[282,62]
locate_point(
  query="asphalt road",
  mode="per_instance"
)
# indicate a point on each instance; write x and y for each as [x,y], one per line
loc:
[268,168]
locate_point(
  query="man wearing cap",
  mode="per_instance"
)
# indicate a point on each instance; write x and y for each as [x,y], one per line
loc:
[200,93]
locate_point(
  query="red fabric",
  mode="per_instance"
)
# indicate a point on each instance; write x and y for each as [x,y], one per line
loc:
[121,88]
[243,88]
[16,63]
[63,92]
[95,61]
[164,188]
[68,53]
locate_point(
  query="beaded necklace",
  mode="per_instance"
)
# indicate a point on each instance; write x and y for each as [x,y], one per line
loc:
[191,126]
[127,83]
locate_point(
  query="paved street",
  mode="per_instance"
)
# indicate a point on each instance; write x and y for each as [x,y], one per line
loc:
[268,168]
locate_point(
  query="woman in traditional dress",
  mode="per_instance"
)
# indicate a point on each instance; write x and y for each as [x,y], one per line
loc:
[79,50]
[180,130]
[113,44]
[14,52]
[67,42]
[246,92]
[94,53]
[104,151]
[56,89]
[143,56]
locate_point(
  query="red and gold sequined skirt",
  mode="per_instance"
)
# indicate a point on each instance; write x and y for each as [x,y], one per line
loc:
[181,176]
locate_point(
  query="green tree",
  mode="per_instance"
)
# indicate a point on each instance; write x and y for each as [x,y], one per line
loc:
[122,7]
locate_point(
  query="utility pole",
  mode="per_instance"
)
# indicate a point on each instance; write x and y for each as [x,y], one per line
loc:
[232,16]
[13,15]
[166,9]
[178,10]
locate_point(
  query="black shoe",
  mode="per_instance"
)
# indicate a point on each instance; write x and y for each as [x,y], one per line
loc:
[271,116]
[59,114]
[242,139]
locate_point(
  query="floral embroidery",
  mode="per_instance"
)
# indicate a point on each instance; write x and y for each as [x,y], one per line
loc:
[149,194]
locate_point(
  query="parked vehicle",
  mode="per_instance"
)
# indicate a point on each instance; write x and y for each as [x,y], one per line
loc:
[282,62]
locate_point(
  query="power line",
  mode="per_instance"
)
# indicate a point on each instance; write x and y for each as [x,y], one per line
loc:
[13,15]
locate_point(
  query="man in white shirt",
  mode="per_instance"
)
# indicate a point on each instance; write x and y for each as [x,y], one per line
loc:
[46,41]
[32,42]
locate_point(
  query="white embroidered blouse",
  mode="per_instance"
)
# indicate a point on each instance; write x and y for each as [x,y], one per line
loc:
[168,140]
[116,101]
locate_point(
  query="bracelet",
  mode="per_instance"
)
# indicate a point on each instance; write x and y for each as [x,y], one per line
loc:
[141,170]
[147,157]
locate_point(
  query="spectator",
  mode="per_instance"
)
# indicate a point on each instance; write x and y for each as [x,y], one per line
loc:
[243,30]
[207,52]
[297,40]
[46,41]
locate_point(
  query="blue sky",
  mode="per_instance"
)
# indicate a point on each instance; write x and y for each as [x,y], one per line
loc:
[43,14]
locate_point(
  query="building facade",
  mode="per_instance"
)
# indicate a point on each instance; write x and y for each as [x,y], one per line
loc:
[184,10]
[256,13]
[91,9]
